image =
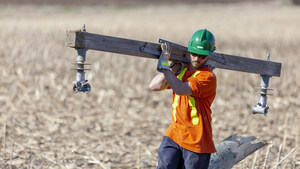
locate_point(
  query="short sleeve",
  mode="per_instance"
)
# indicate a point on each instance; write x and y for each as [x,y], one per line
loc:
[203,84]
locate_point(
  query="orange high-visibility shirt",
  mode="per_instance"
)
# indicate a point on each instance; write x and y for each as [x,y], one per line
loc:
[196,138]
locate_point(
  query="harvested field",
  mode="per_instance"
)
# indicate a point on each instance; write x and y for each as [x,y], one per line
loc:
[120,124]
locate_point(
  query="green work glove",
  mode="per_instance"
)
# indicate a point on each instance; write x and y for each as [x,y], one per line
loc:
[164,57]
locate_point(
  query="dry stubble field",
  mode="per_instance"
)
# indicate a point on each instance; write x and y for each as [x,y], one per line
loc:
[121,122]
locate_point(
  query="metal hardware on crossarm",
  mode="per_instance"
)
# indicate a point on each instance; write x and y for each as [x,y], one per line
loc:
[261,107]
[80,84]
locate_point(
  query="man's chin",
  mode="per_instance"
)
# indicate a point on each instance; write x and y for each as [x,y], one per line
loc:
[196,66]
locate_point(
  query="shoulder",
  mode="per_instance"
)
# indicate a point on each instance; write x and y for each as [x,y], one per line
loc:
[205,74]
[203,84]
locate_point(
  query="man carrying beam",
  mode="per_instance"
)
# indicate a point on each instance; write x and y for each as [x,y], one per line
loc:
[190,135]
[188,141]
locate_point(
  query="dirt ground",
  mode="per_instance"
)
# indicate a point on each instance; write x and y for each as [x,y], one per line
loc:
[120,124]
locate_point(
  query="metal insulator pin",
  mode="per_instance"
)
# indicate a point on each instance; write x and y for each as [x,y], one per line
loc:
[80,84]
[262,107]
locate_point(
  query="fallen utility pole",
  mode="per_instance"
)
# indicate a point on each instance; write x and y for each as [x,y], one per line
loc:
[83,41]
[234,149]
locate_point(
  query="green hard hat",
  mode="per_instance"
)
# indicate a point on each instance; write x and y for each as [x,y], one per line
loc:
[202,42]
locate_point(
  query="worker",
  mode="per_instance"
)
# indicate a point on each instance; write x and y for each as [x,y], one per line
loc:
[188,142]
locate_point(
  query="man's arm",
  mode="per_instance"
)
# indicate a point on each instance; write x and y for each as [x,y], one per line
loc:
[159,82]
[167,76]
[179,87]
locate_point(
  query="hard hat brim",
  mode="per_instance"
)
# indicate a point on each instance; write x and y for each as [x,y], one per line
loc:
[200,52]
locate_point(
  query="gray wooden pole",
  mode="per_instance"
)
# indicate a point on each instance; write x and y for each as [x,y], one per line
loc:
[234,149]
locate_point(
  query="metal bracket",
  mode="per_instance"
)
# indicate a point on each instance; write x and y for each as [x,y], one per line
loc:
[161,41]
[183,48]
[150,51]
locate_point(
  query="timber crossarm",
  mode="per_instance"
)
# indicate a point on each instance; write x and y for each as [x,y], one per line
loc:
[83,41]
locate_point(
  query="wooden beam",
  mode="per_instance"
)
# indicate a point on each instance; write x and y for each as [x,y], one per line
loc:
[79,39]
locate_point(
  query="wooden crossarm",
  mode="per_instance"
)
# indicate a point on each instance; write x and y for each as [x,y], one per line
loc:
[80,39]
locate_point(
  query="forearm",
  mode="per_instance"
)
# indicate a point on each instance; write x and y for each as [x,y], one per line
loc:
[159,82]
[167,77]
[179,87]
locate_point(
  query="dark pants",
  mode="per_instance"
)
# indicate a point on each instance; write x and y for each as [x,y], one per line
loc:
[172,156]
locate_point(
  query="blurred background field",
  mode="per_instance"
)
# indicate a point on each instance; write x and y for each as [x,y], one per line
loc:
[120,124]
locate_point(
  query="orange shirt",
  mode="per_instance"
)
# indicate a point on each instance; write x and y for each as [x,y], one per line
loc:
[196,138]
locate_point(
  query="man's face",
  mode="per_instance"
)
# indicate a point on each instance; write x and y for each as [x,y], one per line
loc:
[198,61]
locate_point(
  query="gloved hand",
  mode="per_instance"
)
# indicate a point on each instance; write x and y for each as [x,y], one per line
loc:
[164,57]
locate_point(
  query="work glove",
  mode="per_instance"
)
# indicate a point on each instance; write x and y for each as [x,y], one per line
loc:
[164,57]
